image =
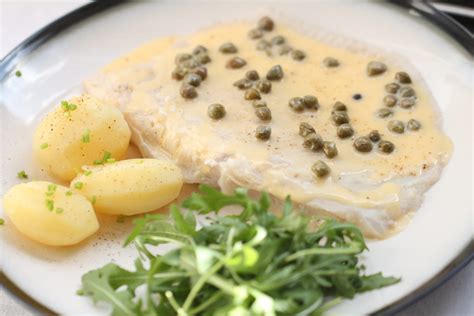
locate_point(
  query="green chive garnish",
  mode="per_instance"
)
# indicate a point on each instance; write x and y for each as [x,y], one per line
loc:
[78,185]
[18,73]
[68,193]
[86,137]
[93,200]
[22,175]
[44,145]
[50,205]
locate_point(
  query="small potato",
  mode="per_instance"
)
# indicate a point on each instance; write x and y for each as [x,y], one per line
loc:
[50,214]
[78,133]
[131,186]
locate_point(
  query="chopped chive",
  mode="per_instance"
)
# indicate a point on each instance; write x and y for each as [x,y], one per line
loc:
[50,205]
[86,137]
[93,200]
[107,156]
[68,193]
[78,185]
[72,107]
[87,173]
[44,145]
[111,160]
[22,175]
[18,73]
[52,187]
[80,292]
[59,210]
[2,221]
[97,162]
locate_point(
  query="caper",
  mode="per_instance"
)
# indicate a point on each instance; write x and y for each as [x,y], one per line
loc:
[376,68]
[402,77]
[384,113]
[228,48]
[413,125]
[390,100]
[255,33]
[339,106]
[407,103]
[264,86]
[298,55]
[340,117]
[392,87]
[252,94]
[266,23]
[306,129]
[363,144]
[313,142]
[203,59]
[345,130]
[199,50]
[263,45]
[263,113]
[374,136]
[193,79]
[263,132]
[330,149]
[330,62]
[386,147]
[252,75]
[275,73]
[310,102]
[357,96]
[187,91]
[180,58]
[243,84]
[191,63]
[284,49]
[407,92]
[259,104]
[296,104]
[396,126]
[236,63]
[216,111]
[278,40]
[179,73]
[201,72]
[320,169]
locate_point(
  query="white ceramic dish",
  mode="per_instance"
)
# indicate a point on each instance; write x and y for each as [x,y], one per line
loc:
[440,231]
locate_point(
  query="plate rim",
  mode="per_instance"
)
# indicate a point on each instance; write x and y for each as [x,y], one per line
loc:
[425,9]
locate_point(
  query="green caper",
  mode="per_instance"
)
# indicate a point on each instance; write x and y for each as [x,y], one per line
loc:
[320,169]
[263,132]
[275,73]
[201,72]
[396,126]
[228,48]
[296,104]
[384,113]
[339,117]
[313,142]
[298,55]
[252,94]
[386,147]
[236,63]
[306,129]
[266,24]
[263,113]
[204,59]
[243,84]
[375,68]
[264,86]
[392,87]
[363,144]
[310,102]
[216,111]
[193,79]
[402,77]
[278,40]
[339,106]
[191,63]
[255,33]
[199,50]
[390,100]
[330,149]
[374,136]
[345,130]
[187,91]
[259,104]
[330,62]
[252,75]
[407,92]
[263,45]
[180,58]
[179,73]
[407,103]
[413,125]
[284,49]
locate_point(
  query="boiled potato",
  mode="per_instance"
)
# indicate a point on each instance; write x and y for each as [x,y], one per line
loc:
[131,186]
[79,132]
[50,214]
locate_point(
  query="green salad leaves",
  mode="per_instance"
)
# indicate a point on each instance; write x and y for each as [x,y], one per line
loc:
[253,263]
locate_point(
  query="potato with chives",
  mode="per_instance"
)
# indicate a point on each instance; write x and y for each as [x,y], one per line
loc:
[77,133]
[130,187]
[50,214]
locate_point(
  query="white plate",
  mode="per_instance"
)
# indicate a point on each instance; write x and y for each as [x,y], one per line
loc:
[439,232]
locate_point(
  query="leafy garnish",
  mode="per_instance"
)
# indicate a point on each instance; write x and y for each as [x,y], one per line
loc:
[22,175]
[253,263]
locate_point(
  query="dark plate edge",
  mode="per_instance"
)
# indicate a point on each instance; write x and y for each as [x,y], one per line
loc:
[441,20]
